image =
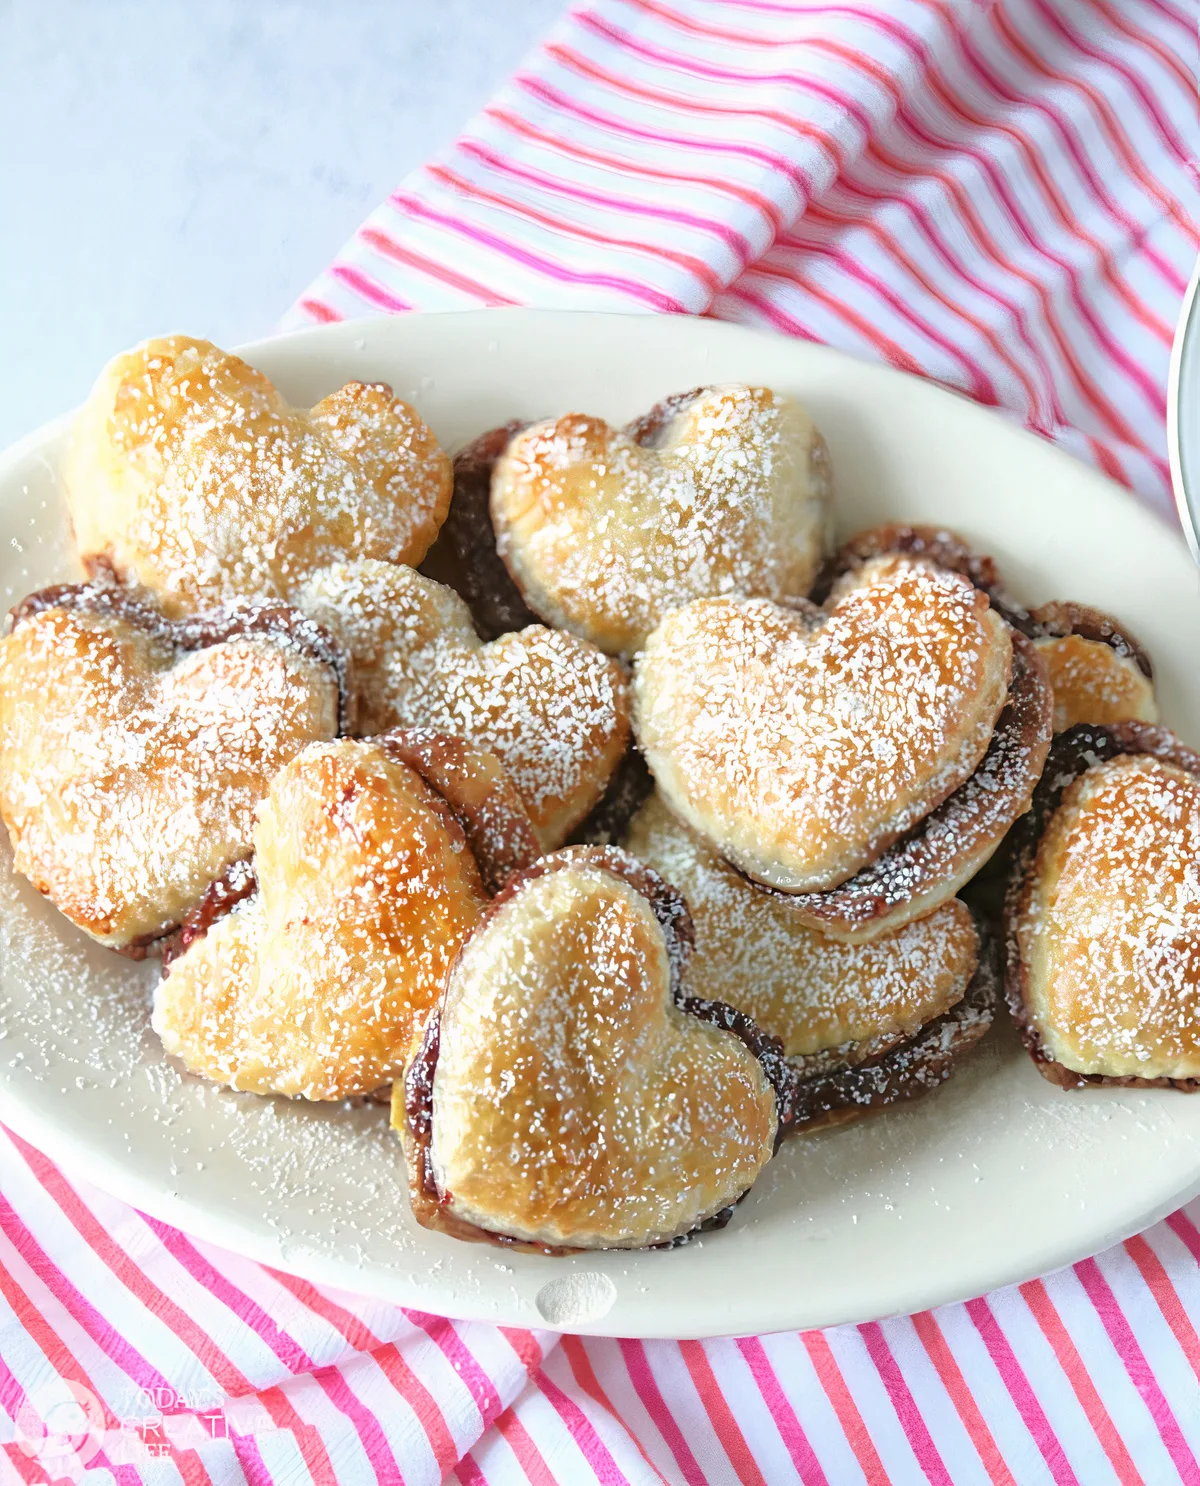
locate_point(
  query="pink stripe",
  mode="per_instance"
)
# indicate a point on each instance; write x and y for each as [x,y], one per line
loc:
[319,310]
[987,166]
[593,1448]
[779,163]
[1005,1361]
[916,1431]
[1186,1232]
[1141,1374]
[366,1425]
[370,289]
[376,238]
[469,1474]
[289,1351]
[1147,99]
[783,1416]
[446,1338]
[637,1365]
[978,383]
[734,241]
[418,208]
[110,1342]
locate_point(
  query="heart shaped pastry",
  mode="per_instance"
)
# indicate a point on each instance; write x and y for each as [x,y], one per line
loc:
[553,709]
[190,475]
[862,1026]
[804,742]
[721,490]
[373,862]
[1103,911]
[564,1096]
[134,752]
[1097,671]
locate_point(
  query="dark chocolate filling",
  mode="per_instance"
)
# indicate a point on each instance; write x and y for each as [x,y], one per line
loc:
[1073,753]
[671,911]
[464,557]
[629,785]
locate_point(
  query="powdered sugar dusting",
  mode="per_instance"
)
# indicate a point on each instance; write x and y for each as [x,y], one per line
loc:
[552,708]
[573,1102]
[317,985]
[1111,935]
[129,772]
[191,474]
[1092,682]
[814,994]
[804,743]
[605,531]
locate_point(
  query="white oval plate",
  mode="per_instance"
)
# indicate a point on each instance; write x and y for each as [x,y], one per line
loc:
[1183,413]
[994,1178]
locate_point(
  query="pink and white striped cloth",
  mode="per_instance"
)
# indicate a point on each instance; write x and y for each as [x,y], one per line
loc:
[996,193]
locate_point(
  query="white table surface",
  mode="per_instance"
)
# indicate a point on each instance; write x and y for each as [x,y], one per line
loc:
[192,164]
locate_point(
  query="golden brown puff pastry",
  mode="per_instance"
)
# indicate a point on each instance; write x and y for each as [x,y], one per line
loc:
[366,887]
[850,1018]
[721,490]
[564,1096]
[1103,911]
[553,709]
[134,752]
[1098,671]
[190,475]
[803,742]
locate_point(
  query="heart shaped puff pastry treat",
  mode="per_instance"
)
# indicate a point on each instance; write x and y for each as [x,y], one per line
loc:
[190,475]
[553,709]
[865,758]
[567,1095]
[373,862]
[134,751]
[1098,672]
[862,1026]
[1103,911]
[721,490]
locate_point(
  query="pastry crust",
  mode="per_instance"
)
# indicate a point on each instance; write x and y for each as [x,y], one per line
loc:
[134,752]
[1098,672]
[949,848]
[861,1026]
[724,489]
[567,1097]
[1103,911]
[553,709]
[814,994]
[189,475]
[316,983]
[804,742]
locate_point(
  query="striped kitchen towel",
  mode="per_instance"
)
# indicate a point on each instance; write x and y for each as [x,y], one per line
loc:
[996,193]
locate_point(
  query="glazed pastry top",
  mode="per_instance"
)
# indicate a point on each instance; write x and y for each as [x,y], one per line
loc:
[130,770]
[190,475]
[317,985]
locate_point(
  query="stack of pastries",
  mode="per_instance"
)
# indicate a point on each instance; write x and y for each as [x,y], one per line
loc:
[577,796]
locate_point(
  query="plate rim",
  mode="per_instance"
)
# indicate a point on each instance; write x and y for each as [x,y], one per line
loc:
[122,1181]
